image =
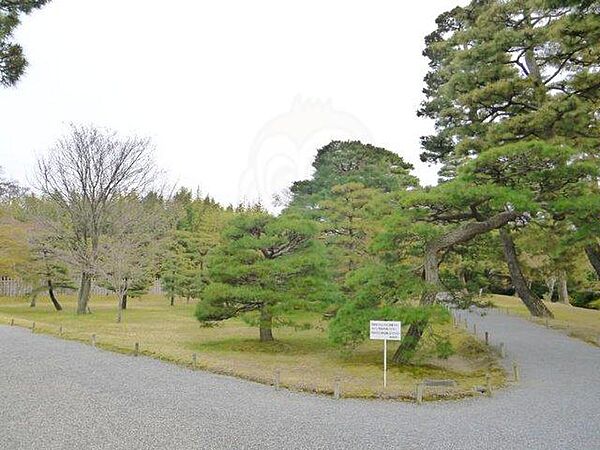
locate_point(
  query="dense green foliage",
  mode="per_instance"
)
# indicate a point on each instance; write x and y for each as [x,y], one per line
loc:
[183,270]
[12,60]
[266,264]
[340,163]
[512,70]
[505,73]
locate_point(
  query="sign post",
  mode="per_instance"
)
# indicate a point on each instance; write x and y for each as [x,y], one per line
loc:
[385,363]
[384,330]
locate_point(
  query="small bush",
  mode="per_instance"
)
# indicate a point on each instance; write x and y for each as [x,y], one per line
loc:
[583,299]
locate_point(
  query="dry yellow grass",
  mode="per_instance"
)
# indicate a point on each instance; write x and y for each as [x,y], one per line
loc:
[580,323]
[305,358]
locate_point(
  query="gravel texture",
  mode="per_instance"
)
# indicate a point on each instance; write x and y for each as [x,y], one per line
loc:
[60,394]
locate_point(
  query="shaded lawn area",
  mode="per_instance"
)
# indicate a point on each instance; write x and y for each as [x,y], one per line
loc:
[305,358]
[577,322]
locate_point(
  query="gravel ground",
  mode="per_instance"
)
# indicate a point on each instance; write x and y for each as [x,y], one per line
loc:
[60,394]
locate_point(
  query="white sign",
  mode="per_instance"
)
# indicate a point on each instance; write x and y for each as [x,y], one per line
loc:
[386,330]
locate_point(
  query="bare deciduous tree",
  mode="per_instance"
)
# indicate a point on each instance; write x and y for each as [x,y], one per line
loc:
[83,174]
[127,257]
[9,189]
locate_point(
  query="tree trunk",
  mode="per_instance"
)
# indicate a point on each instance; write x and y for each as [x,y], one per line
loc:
[431,269]
[432,276]
[266,325]
[120,309]
[535,306]
[33,301]
[593,254]
[52,296]
[550,283]
[462,278]
[563,291]
[124,294]
[532,66]
[84,293]
[172,300]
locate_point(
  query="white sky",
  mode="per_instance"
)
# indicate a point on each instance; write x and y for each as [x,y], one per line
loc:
[237,95]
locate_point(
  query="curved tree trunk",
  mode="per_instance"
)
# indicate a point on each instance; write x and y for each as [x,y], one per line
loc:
[53,298]
[563,290]
[593,254]
[431,270]
[266,325]
[431,273]
[85,289]
[535,306]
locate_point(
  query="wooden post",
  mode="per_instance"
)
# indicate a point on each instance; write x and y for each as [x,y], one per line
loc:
[277,381]
[488,384]
[515,371]
[136,350]
[502,354]
[93,340]
[475,329]
[546,322]
[507,312]
[336,389]
[33,327]
[60,330]
[12,322]
[487,338]
[419,393]
[194,360]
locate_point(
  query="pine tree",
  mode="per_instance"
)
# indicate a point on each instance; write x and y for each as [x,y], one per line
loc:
[197,231]
[267,265]
[507,71]
[511,71]
[12,60]
[349,224]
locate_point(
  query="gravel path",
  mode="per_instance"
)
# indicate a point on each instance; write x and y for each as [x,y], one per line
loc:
[60,394]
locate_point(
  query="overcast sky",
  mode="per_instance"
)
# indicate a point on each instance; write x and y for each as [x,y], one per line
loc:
[236,95]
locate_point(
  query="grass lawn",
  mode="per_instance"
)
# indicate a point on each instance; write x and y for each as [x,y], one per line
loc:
[580,323]
[305,358]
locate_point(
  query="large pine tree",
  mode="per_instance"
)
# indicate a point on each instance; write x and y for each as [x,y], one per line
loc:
[504,72]
[267,265]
